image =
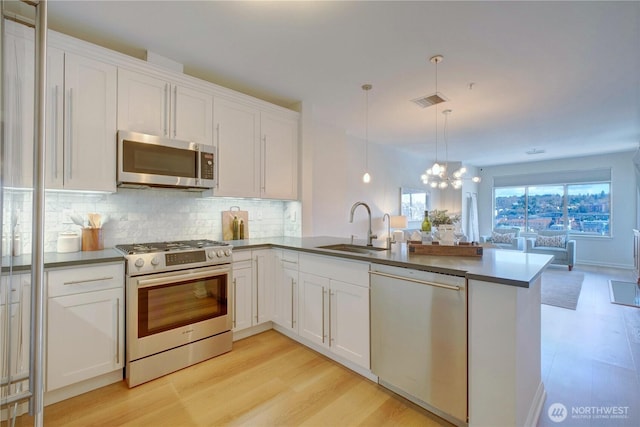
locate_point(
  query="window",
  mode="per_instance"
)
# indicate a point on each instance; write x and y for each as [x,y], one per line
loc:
[583,208]
[413,203]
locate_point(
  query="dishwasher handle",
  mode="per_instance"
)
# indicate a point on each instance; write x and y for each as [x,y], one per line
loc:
[409,279]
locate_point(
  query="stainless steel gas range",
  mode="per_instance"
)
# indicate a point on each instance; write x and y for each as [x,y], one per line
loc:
[178,310]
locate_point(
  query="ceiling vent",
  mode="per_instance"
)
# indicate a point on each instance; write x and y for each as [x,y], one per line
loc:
[429,100]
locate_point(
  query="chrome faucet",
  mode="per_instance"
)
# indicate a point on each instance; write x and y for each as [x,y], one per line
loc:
[370,235]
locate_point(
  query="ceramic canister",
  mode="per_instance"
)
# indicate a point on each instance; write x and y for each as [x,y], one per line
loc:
[68,241]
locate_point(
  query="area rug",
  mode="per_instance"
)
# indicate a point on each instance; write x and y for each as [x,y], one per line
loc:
[561,288]
[624,293]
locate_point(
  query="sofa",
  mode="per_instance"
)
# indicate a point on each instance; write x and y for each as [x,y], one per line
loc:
[505,238]
[556,243]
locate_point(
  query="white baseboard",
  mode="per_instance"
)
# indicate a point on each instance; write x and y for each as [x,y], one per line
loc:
[82,387]
[328,353]
[606,265]
[254,330]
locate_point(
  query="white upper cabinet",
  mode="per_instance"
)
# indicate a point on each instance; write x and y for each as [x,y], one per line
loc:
[81,117]
[156,106]
[279,157]
[238,143]
[89,124]
[54,157]
[257,152]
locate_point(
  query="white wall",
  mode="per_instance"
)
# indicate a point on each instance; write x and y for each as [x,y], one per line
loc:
[335,169]
[615,251]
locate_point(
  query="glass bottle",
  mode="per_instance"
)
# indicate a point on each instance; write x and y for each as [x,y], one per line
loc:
[235,226]
[426,224]
[426,229]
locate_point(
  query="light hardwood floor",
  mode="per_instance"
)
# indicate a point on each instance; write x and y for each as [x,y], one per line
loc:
[267,380]
[591,355]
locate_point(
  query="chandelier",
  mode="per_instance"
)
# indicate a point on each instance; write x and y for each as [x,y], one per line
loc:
[436,176]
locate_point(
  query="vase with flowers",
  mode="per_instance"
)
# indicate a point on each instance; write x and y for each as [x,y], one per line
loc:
[443,225]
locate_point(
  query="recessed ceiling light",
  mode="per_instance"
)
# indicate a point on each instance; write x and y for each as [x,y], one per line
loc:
[535,151]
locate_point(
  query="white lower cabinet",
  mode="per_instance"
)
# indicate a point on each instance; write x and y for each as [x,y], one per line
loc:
[285,311]
[264,276]
[85,323]
[253,295]
[333,306]
[242,290]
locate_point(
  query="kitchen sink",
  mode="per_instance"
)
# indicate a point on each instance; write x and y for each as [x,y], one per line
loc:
[345,247]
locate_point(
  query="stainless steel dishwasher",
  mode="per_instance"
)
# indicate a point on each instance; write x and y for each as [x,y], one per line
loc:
[419,338]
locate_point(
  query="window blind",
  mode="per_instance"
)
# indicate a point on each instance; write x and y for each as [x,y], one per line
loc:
[555,177]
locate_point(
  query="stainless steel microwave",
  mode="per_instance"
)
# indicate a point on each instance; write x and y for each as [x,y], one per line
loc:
[153,161]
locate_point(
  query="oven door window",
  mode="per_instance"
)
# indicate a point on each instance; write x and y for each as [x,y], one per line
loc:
[170,306]
[154,159]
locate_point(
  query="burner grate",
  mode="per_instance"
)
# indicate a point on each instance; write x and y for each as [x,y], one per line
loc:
[178,245]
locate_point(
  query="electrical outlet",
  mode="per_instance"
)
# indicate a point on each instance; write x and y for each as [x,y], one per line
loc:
[66,219]
[259,215]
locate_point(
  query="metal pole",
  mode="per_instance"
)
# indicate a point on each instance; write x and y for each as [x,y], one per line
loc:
[37,244]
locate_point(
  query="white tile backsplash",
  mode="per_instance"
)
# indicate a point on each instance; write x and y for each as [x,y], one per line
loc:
[151,215]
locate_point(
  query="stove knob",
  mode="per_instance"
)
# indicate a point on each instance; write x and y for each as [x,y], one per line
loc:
[220,253]
[155,260]
[211,254]
[139,263]
[227,252]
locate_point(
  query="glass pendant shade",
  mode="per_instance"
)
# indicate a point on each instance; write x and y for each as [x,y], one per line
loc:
[366,178]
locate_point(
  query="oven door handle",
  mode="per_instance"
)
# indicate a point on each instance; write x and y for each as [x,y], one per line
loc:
[215,271]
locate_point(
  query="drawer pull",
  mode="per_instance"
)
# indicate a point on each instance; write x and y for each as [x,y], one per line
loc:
[79,282]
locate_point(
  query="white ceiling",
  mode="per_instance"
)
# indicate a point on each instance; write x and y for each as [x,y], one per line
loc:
[563,77]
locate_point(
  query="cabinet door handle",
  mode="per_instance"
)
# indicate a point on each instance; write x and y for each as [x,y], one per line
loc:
[257,292]
[117,331]
[293,284]
[323,334]
[330,320]
[166,109]
[175,111]
[79,282]
[54,131]
[264,163]
[235,300]
[70,135]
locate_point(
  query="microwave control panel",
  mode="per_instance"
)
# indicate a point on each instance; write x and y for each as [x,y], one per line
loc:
[206,165]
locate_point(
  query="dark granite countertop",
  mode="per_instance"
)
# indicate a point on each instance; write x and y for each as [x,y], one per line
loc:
[53,259]
[496,265]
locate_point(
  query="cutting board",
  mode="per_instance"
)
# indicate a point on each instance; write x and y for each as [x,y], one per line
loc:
[227,223]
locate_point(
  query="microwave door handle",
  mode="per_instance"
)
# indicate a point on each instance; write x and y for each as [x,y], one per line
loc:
[198,165]
[216,165]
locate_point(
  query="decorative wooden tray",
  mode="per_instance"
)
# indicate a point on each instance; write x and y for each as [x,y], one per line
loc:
[445,250]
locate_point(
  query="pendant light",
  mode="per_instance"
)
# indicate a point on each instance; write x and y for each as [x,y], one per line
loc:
[366,178]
